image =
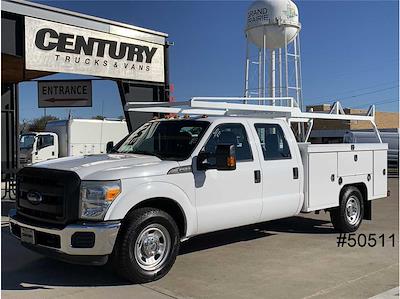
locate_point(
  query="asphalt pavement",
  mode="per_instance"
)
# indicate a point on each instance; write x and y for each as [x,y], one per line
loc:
[295,257]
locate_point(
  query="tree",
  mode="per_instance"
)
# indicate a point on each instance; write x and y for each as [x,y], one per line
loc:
[24,127]
[39,124]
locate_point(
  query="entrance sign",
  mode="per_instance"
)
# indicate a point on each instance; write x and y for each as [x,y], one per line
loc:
[55,47]
[65,93]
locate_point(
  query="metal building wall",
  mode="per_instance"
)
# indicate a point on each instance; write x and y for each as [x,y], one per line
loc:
[11,51]
[9,130]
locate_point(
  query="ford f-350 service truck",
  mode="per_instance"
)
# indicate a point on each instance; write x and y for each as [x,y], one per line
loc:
[71,137]
[175,178]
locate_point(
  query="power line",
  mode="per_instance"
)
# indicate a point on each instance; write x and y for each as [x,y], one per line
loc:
[329,96]
[361,94]
[386,101]
[371,92]
[365,69]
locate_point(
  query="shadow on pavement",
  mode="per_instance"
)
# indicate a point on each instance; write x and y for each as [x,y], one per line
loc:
[23,269]
[221,238]
[298,225]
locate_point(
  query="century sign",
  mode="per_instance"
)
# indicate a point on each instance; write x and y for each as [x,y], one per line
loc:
[55,47]
[68,93]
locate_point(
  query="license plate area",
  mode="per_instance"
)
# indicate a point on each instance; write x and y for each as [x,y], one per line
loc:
[27,235]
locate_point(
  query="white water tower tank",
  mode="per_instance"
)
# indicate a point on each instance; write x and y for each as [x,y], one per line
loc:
[272,18]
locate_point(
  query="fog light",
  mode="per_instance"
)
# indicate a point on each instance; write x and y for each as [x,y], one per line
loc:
[83,240]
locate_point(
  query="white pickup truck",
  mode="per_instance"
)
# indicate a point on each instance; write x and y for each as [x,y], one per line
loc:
[176,178]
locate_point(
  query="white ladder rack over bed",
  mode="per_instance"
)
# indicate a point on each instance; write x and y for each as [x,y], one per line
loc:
[279,107]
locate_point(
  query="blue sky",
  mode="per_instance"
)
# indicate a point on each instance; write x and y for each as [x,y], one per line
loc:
[349,51]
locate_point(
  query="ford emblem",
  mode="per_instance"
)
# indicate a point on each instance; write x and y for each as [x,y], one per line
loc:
[34,197]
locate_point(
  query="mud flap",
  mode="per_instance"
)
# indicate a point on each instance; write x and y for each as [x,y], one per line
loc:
[368,210]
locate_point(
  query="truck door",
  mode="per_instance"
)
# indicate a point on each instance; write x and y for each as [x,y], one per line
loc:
[228,198]
[281,170]
[45,148]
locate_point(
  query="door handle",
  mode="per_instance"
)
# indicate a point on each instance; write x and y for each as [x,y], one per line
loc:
[295,173]
[257,176]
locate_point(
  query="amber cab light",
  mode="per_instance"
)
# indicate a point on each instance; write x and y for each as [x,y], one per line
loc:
[231,161]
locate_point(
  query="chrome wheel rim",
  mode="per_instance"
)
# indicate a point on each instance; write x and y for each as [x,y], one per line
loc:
[152,247]
[353,210]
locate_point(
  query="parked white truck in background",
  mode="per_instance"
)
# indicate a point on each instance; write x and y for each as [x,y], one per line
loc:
[63,138]
[172,179]
[389,136]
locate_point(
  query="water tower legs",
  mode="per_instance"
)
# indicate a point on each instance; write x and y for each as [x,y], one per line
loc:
[280,71]
[273,72]
[246,79]
[272,76]
[260,73]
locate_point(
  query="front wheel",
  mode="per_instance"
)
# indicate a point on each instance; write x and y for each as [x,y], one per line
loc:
[348,216]
[147,245]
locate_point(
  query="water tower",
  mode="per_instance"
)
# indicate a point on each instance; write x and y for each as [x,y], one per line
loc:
[273,67]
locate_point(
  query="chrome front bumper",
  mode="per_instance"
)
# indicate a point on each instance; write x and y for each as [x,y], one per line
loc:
[105,234]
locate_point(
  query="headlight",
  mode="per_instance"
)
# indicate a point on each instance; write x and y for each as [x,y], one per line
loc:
[96,198]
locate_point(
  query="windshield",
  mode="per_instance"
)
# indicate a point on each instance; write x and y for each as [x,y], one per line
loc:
[169,139]
[26,141]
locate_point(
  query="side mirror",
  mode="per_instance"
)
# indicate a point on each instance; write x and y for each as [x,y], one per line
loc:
[201,164]
[225,157]
[109,146]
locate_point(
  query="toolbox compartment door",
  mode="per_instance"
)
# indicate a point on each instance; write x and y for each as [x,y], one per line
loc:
[322,181]
[355,163]
[380,173]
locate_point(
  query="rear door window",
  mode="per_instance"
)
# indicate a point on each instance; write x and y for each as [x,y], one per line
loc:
[273,142]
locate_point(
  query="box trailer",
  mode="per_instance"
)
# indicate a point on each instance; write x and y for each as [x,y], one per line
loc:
[73,137]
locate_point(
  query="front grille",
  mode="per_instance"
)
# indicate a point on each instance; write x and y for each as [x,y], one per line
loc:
[58,190]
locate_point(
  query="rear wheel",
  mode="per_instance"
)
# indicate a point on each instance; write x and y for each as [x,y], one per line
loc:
[147,245]
[348,216]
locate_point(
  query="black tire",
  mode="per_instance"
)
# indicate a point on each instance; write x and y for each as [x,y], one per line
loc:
[125,260]
[341,219]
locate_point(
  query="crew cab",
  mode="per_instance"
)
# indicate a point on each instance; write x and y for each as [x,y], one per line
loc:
[175,178]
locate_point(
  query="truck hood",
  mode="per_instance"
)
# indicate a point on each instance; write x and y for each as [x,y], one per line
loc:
[111,166]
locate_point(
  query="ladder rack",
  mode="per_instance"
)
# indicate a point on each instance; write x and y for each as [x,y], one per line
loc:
[278,107]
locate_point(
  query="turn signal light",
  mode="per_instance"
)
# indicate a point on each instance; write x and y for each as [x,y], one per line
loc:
[231,161]
[111,194]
